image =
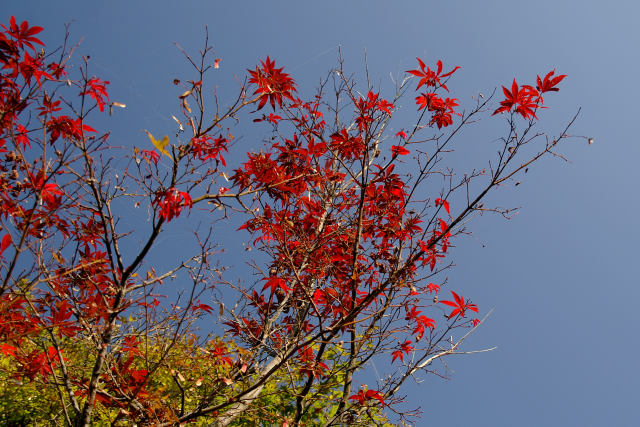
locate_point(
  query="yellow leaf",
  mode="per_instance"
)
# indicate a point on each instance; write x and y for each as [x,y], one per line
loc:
[160,145]
[58,257]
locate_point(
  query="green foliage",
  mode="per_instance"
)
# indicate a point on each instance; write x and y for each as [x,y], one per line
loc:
[178,386]
[25,402]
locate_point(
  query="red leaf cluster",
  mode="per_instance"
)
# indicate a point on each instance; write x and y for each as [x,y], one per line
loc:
[405,348]
[363,396]
[367,109]
[273,84]
[206,147]
[350,238]
[525,100]
[169,203]
[442,109]
[97,89]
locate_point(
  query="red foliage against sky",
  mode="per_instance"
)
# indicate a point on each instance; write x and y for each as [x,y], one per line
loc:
[353,244]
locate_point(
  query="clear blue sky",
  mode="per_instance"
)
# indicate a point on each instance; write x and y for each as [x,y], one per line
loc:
[562,275]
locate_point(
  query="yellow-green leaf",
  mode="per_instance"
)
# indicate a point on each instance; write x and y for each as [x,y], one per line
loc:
[160,145]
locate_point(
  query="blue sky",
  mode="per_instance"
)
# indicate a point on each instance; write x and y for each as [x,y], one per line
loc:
[561,275]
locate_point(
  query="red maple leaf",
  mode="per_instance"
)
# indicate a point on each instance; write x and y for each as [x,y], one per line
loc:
[460,306]
[413,313]
[6,241]
[443,203]
[169,203]
[8,350]
[547,85]
[423,322]
[276,283]
[23,34]
[429,77]
[432,287]
[97,90]
[398,150]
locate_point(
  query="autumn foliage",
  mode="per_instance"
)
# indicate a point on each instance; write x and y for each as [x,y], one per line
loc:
[353,242]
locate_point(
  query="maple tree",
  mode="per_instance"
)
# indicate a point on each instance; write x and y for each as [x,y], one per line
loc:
[351,247]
